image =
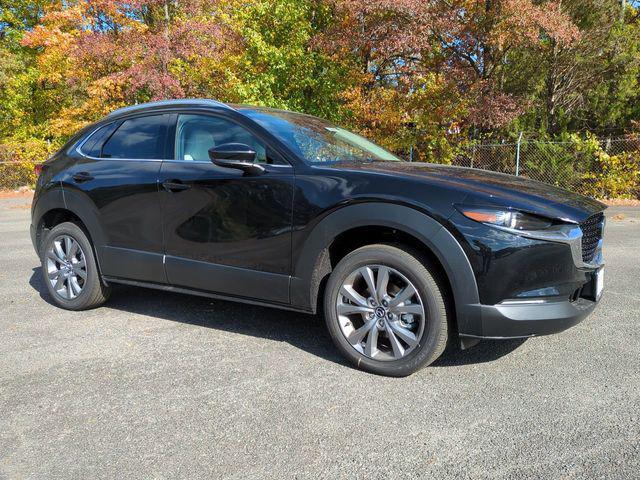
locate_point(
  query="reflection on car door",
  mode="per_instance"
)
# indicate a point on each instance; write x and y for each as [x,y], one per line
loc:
[117,168]
[225,232]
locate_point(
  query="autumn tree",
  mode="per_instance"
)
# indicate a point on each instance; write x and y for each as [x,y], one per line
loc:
[585,82]
[449,60]
[426,76]
[106,53]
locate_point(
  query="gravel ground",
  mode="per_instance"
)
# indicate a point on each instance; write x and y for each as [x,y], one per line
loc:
[159,385]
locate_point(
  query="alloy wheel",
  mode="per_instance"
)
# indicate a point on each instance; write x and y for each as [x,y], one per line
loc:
[66,267]
[380,312]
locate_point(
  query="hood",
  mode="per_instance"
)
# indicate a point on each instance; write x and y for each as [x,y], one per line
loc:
[491,188]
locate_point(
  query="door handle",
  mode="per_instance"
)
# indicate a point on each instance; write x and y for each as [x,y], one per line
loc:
[80,177]
[174,185]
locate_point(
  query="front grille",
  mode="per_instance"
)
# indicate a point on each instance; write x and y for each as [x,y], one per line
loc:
[591,235]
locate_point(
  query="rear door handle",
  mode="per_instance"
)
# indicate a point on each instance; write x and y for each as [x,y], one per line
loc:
[80,177]
[174,185]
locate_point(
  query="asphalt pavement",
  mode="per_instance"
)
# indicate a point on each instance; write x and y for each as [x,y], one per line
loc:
[160,385]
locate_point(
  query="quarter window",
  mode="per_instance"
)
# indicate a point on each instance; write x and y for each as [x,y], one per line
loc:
[138,138]
[196,134]
[93,146]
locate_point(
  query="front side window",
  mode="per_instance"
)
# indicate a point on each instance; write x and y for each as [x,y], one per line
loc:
[138,138]
[196,134]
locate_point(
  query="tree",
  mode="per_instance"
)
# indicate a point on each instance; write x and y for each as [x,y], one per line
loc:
[598,61]
[460,49]
[277,66]
[587,84]
[412,74]
[106,53]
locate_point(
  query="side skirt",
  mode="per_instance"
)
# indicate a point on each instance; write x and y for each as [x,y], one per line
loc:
[200,293]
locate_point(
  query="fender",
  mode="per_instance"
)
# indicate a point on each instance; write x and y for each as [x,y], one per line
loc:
[59,198]
[430,232]
[84,208]
[53,200]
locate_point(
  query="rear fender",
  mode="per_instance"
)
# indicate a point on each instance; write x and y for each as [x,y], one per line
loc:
[79,205]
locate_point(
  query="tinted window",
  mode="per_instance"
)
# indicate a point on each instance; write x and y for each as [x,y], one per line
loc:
[93,146]
[142,138]
[196,134]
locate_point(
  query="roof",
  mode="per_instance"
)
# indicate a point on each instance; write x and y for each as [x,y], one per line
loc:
[183,102]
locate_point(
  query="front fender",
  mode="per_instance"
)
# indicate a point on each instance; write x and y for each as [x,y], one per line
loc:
[305,280]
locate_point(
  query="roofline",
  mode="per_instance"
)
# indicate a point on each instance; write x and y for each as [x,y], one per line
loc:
[182,102]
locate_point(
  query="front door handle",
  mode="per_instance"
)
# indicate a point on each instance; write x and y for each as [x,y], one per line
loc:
[174,185]
[80,177]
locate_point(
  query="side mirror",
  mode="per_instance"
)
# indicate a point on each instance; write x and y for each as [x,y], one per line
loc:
[236,155]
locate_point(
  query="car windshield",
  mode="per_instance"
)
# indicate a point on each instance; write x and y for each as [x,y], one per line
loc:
[317,141]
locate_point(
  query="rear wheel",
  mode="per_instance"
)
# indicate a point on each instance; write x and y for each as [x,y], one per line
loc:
[385,310]
[70,270]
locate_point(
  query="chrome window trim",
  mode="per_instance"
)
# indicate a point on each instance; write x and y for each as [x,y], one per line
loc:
[78,149]
[192,103]
[190,162]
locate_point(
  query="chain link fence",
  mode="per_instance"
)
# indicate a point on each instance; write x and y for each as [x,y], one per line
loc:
[569,165]
[18,160]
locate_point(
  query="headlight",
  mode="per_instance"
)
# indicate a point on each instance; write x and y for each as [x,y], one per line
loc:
[510,219]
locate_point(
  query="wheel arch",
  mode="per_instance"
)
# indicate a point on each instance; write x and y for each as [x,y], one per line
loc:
[314,262]
[57,206]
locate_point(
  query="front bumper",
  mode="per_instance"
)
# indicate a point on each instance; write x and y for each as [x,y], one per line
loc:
[530,283]
[524,320]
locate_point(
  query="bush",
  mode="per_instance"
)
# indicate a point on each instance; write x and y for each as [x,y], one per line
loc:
[583,165]
[615,176]
[17,161]
[557,163]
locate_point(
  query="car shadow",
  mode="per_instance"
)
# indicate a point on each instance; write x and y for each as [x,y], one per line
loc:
[483,352]
[304,331]
[301,330]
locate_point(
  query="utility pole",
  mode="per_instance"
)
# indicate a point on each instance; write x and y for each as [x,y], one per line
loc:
[518,155]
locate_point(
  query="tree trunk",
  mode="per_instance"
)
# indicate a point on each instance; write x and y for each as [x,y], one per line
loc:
[551,83]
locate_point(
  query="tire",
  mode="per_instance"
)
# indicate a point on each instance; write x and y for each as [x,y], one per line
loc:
[423,315]
[69,268]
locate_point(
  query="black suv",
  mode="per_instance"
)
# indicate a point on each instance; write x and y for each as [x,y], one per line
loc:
[287,210]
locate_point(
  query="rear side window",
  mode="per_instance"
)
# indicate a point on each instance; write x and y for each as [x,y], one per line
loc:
[138,138]
[93,146]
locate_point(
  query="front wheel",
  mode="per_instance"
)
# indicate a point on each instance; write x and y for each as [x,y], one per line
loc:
[70,269]
[385,310]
